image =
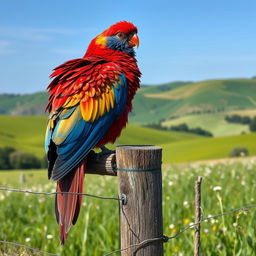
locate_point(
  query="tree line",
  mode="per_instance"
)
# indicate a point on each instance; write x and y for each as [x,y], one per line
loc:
[243,120]
[180,128]
[11,159]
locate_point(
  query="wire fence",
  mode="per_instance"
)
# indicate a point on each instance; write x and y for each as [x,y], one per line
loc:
[164,238]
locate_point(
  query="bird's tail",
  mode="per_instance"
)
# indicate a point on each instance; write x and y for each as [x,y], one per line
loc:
[67,206]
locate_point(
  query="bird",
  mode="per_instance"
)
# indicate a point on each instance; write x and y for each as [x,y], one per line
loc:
[88,105]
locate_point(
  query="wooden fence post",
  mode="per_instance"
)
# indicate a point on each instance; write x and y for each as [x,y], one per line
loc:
[140,182]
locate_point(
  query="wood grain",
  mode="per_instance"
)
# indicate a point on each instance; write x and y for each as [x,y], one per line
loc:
[141,217]
[103,164]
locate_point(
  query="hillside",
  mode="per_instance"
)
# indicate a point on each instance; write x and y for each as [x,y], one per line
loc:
[26,133]
[158,102]
[215,123]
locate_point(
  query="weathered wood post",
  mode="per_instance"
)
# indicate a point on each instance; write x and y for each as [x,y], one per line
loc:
[140,182]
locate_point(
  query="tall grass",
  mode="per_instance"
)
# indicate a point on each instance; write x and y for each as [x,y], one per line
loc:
[29,219]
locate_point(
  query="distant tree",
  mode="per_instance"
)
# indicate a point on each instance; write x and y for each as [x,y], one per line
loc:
[4,158]
[44,162]
[239,151]
[20,160]
[253,125]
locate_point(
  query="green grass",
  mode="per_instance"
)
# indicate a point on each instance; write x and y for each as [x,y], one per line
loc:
[29,219]
[207,148]
[26,133]
[215,123]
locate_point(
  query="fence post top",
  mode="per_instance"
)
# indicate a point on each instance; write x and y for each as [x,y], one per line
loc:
[138,147]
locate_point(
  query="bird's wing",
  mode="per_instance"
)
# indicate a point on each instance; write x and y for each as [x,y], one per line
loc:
[85,98]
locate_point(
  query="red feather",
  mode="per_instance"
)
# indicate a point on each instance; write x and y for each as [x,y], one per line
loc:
[68,206]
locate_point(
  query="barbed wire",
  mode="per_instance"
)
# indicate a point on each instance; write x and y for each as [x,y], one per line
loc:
[167,238]
[55,193]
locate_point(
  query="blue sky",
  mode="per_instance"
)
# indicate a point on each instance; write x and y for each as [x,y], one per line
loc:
[179,40]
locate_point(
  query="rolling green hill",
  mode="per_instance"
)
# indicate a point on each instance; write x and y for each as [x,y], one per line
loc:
[26,133]
[207,148]
[155,103]
[215,123]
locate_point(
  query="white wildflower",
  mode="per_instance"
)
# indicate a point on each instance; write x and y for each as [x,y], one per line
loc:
[49,236]
[171,226]
[28,239]
[217,188]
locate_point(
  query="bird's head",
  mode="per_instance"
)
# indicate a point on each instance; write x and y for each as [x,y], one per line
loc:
[121,36]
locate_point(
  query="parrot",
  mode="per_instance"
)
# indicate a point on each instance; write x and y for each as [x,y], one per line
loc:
[88,105]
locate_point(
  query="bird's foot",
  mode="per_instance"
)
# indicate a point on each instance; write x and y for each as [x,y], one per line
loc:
[106,151]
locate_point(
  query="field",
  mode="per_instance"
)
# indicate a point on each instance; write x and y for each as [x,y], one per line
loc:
[26,133]
[215,123]
[29,219]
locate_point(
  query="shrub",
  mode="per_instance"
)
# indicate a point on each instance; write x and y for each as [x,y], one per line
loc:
[4,157]
[239,151]
[20,160]
[253,125]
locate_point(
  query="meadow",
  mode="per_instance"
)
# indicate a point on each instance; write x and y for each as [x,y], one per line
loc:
[29,219]
[26,133]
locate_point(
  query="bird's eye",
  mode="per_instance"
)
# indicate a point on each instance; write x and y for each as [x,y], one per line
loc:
[120,35]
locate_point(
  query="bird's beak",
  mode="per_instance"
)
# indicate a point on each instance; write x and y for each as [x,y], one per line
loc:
[134,41]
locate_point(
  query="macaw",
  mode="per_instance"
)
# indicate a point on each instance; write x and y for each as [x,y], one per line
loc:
[89,102]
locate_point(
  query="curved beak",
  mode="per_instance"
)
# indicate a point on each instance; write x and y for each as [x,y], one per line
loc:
[134,41]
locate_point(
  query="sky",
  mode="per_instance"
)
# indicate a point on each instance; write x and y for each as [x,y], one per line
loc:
[181,40]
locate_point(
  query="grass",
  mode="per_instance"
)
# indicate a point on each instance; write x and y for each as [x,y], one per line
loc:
[207,148]
[29,219]
[215,123]
[26,133]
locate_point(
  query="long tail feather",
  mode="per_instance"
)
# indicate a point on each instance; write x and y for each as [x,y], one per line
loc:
[67,207]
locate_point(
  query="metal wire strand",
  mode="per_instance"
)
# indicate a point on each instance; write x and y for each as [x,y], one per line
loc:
[29,248]
[167,238]
[55,193]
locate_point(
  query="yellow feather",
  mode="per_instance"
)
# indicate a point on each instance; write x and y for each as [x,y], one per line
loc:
[84,108]
[90,110]
[111,98]
[107,102]
[65,126]
[102,104]
[95,110]
[101,40]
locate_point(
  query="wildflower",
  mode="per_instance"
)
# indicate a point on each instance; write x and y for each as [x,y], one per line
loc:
[186,221]
[170,183]
[49,236]
[171,226]
[216,188]
[191,224]
[2,197]
[186,204]
[174,230]
[28,239]
[206,230]
[214,228]
[235,224]
[218,246]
